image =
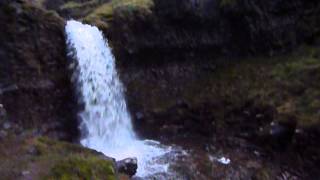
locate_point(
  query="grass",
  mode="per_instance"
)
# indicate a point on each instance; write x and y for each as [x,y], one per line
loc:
[52,160]
[70,161]
[77,167]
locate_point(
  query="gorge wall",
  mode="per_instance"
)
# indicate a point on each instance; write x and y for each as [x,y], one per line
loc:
[35,87]
[195,64]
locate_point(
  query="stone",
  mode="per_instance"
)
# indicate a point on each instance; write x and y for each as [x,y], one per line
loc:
[127,166]
[278,135]
[8,89]
[33,151]
[136,178]
[6,125]
[25,173]
[3,113]
[3,134]
[139,115]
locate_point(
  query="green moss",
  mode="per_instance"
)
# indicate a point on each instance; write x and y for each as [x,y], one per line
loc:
[71,4]
[263,174]
[46,145]
[225,3]
[295,67]
[62,160]
[297,79]
[39,3]
[76,167]
[77,5]
[124,8]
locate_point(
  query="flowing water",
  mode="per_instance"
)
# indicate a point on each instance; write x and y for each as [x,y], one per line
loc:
[105,121]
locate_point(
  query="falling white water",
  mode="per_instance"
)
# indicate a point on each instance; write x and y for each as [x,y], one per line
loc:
[105,121]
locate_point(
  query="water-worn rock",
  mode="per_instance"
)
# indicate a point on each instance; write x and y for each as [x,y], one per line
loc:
[127,166]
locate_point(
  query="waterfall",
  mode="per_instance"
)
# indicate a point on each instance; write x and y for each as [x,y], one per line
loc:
[105,121]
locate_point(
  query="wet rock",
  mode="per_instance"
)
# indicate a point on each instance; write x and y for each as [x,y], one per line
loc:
[7,125]
[172,129]
[278,134]
[136,178]
[182,104]
[45,84]
[139,115]
[8,89]
[25,173]
[3,134]
[33,151]
[3,112]
[127,166]
[18,129]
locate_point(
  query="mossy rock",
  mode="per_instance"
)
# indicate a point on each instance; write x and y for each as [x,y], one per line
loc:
[70,161]
[78,10]
[76,167]
[123,8]
[45,158]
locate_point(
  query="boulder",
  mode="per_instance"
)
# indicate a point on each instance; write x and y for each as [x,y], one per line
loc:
[277,135]
[127,166]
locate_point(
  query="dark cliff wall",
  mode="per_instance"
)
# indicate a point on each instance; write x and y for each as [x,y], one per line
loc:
[186,53]
[34,84]
[219,27]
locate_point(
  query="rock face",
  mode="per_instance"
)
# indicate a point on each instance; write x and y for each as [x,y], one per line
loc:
[185,63]
[212,27]
[34,84]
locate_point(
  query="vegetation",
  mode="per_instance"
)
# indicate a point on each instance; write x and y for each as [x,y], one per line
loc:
[69,161]
[125,8]
[282,88]
[76,167]
[224,3]
[44,158]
